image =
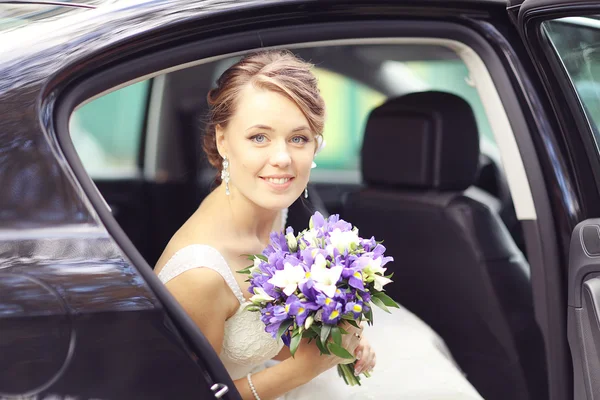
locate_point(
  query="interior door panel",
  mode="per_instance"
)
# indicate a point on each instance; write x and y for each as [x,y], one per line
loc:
[584,308]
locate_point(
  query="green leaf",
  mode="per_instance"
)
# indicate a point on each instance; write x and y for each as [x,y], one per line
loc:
[336,335]
[321,347]
[387,300]
[284,327]
[379,303]
[252,307]
[369,316]
[294,343]
[262,257]
[351,321]
[245,270]
[343,331]
[339,351]
[325,331]
[309,334]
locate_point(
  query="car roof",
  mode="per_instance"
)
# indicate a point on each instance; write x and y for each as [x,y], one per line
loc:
[82,26]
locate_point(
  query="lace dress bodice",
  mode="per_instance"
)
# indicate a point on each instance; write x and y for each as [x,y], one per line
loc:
[246,345]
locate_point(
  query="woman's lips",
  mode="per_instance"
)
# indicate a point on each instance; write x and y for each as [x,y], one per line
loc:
[278,183]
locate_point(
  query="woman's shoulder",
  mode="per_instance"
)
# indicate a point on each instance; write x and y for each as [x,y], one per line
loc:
[180,257]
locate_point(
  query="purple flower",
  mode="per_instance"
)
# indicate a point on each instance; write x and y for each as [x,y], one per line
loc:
[355,308]
[299,309]
[261,281]
[317,220]
[272,316]
[368,244]
[308,289]
[332,315]
[356,281]
[276,260]
[278,241]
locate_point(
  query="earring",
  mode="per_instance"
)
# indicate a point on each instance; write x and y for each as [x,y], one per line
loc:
[306,193]
[225,175]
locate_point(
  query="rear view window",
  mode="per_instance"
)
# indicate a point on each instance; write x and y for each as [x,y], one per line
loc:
[349,104]
[107,132]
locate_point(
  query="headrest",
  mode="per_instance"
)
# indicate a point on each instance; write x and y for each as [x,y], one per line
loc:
[426,140]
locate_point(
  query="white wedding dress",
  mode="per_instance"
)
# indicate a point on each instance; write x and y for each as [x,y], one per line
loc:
[412,360]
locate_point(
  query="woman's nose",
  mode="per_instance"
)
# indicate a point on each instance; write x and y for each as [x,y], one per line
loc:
[281,157]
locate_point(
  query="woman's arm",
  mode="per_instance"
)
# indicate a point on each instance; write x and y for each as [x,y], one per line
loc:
[207,299]
[284,354]
[277,380]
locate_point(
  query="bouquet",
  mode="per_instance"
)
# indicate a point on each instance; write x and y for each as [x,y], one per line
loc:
[305,285]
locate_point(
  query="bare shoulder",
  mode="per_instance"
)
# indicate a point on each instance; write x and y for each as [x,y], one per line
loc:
[203,291]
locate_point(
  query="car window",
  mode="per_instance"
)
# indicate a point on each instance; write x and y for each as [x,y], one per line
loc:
[349,103]
[577,42]
[107,132]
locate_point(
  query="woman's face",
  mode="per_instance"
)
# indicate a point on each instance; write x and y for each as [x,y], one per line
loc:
[270,148]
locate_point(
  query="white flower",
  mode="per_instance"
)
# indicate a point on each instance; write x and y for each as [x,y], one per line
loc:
[325,278]
[380,282]
[329,248]
[256,266]
[344,240]
[288,278]
[309,321]
[291,241]
[373,272]
[311,237]
[260,296]
[374,267]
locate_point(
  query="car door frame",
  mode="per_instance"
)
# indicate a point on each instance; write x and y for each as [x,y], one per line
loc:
[582,155]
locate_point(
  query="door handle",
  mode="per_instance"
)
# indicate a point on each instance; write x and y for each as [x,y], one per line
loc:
[219,389]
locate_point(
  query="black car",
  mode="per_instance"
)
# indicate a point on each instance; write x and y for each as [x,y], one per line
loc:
[495,231]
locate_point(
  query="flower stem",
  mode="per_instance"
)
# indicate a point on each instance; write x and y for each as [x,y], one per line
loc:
[346,371]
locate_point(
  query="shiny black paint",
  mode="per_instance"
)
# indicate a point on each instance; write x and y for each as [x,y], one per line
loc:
[108,303]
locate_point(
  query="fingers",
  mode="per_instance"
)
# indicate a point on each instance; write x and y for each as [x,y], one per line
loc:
[366,359]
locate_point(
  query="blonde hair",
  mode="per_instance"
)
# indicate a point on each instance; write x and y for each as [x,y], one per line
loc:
[277,70]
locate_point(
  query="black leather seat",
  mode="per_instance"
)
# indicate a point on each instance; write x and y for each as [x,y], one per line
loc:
[456,266]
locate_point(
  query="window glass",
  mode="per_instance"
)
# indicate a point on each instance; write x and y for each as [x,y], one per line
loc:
[577,42]
[452,77]
[349,103]
[107,132]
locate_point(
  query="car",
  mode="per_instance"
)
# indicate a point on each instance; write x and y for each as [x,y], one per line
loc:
[490,210]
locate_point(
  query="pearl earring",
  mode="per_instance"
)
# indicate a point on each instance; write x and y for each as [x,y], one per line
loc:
[306,193]
[225,175]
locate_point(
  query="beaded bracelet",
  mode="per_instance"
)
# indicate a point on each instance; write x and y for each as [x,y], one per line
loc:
[252,388]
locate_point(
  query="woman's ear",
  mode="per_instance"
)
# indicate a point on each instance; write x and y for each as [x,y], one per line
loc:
[220,140]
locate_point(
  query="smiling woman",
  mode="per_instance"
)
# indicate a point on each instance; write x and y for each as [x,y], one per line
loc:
[266,115]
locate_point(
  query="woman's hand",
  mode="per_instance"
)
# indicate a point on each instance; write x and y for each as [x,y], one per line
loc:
[365,357]
[309,355]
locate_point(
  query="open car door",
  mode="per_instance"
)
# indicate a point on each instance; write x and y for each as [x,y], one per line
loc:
[563,38]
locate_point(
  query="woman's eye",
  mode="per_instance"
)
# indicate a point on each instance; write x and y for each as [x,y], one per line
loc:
[259,138]
[299,140]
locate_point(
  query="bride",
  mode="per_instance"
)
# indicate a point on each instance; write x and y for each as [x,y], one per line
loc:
[266,119]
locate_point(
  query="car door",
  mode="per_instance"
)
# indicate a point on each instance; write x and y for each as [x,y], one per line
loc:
[563,38]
